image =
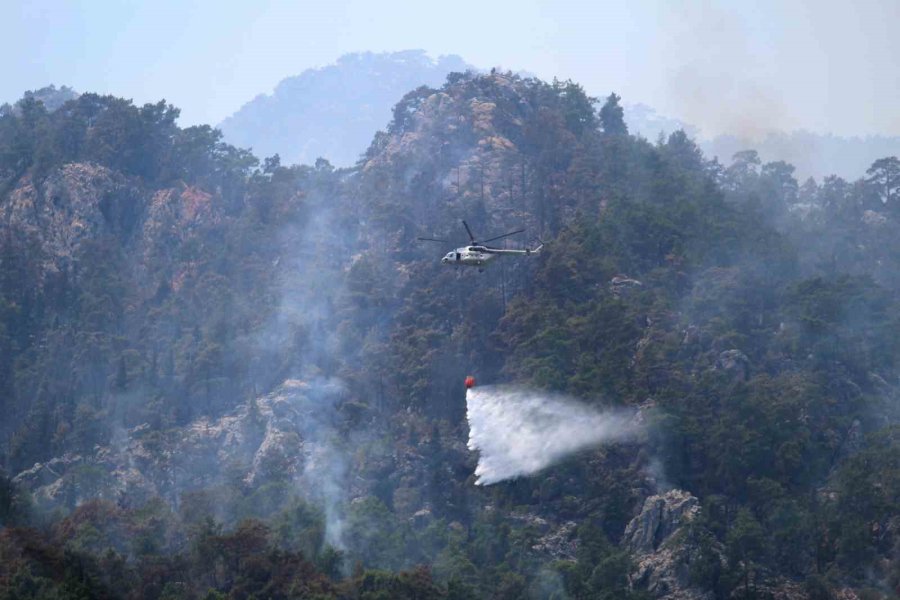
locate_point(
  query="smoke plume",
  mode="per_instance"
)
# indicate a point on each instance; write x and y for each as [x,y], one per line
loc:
[518,431]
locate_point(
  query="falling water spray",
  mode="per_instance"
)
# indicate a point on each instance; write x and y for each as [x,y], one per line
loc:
[519,431]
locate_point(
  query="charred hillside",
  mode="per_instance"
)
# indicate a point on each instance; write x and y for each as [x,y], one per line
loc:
[247,377]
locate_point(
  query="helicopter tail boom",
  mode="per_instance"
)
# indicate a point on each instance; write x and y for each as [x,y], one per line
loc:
[526,251]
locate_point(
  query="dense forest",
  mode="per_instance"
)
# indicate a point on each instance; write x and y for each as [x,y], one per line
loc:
[230,378]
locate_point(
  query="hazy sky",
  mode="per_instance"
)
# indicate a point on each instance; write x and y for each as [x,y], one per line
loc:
[741,67]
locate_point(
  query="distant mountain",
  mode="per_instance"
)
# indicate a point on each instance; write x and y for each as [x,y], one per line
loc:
[334,111]
[812,154]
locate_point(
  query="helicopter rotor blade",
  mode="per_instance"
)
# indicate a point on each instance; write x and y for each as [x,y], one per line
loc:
[469,231]
[503,236]
[421,239]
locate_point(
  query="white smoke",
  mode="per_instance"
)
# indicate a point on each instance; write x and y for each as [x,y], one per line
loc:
[518,431]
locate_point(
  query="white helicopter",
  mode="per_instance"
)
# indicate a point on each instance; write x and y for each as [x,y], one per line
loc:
[477,254]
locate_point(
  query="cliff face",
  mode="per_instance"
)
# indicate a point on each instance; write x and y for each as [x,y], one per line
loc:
[108,284]
[660,517]
[81,202]
[470,150]
[272,437]
[662,548]
[74,204]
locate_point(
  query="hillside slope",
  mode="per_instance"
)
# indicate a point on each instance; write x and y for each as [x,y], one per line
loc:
[234,379]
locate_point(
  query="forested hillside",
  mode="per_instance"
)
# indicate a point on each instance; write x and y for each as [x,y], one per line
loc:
[229,377]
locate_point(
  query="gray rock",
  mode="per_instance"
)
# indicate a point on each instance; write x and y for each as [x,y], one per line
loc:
[661,547]
[272,439]
[690,335]
[873,218]
[422,518]
[621,284]
[659,518]
[735,362]
[66,209]
[560,543]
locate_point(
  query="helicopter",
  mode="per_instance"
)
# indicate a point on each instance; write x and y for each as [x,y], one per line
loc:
[478,254]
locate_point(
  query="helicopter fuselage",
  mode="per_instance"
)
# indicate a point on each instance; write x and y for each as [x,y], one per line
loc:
[468,256]
[480,256]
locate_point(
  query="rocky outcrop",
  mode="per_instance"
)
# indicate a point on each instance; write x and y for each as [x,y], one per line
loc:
[78,202]
[735,363]
[560,543]
[663,552]
[74,204]
[274,436]
[173,213]
[469,136]
[873,218]
[659,518]
[622,284]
